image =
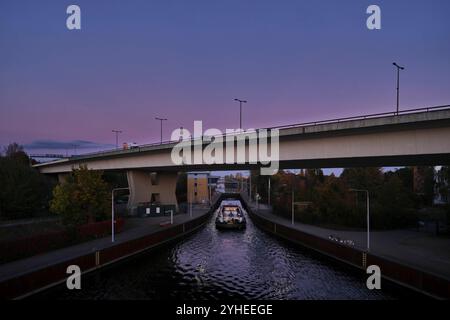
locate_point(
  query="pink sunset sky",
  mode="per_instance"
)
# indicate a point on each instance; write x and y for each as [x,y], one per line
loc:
[294,61]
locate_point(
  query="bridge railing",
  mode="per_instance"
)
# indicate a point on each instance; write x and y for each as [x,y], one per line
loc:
[47,155]
[295,125]
[362,117]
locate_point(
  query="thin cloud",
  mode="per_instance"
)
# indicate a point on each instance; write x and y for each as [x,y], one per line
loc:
[58,145]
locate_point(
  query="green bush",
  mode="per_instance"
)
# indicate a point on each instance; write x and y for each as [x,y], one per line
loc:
[84,197]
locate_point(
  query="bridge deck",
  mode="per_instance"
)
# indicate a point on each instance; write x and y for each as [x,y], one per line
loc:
[417,117]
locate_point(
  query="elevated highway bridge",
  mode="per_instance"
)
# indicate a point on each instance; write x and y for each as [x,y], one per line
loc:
[412,137]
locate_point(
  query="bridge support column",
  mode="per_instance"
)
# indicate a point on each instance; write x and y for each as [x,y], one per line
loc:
[157,187]
[62,177]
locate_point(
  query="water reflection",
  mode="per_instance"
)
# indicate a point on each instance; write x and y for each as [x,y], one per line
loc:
[214,264]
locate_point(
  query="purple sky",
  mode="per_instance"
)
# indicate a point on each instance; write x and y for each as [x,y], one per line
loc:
[294,61]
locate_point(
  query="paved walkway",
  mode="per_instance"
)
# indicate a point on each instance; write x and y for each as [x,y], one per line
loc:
[22,222]
[134,228]
[420,250]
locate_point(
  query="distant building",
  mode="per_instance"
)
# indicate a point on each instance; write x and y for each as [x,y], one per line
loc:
[201,186]
[236,183]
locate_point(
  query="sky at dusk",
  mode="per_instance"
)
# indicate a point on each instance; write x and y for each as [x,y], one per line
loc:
[132,61]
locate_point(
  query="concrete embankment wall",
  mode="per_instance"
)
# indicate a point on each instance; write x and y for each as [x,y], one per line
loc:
[401,274]
[55,273]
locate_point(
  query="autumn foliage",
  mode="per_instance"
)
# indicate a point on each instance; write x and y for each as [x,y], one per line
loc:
[329,199]
[83,198]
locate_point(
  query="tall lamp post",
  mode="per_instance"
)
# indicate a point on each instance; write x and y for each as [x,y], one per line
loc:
[191,194]
[117,137]
[112,211]
[292,201]
[161,125]
[368,215]
[293,206]
[398,83]
[240,111]
[250,186]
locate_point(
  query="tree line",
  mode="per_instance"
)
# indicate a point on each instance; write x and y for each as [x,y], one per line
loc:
[395,196]
[84,197]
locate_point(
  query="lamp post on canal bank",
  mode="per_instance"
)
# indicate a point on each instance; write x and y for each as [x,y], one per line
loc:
[368,215]
[293,204]
[285,185]
[112,211]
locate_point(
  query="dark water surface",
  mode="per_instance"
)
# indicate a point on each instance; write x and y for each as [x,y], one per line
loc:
[214,264]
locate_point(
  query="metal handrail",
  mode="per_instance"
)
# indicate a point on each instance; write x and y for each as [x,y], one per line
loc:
[296,125]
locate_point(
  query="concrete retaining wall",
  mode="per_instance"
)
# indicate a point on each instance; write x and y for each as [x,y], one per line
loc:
[396,272]
[54,274]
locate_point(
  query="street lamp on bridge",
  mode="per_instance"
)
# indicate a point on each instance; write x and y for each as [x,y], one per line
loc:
[161,125]
[368,215]
[240,111]
[398,83]
[117,137]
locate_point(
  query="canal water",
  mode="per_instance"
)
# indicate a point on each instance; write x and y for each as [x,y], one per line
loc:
[229,264]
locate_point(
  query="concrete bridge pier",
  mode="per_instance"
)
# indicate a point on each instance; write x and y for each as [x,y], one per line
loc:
[62,177]
[146,186]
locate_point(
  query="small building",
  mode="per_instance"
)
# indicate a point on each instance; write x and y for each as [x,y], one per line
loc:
[200,187]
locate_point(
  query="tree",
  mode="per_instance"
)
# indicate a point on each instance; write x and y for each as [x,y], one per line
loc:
[281,186]
[407,176]
[392,200]
[313,179]
[16,153]
[363,178]
[115,179]
[393,205]
[424,180]
[332,202]
[24,191]
[83,198]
